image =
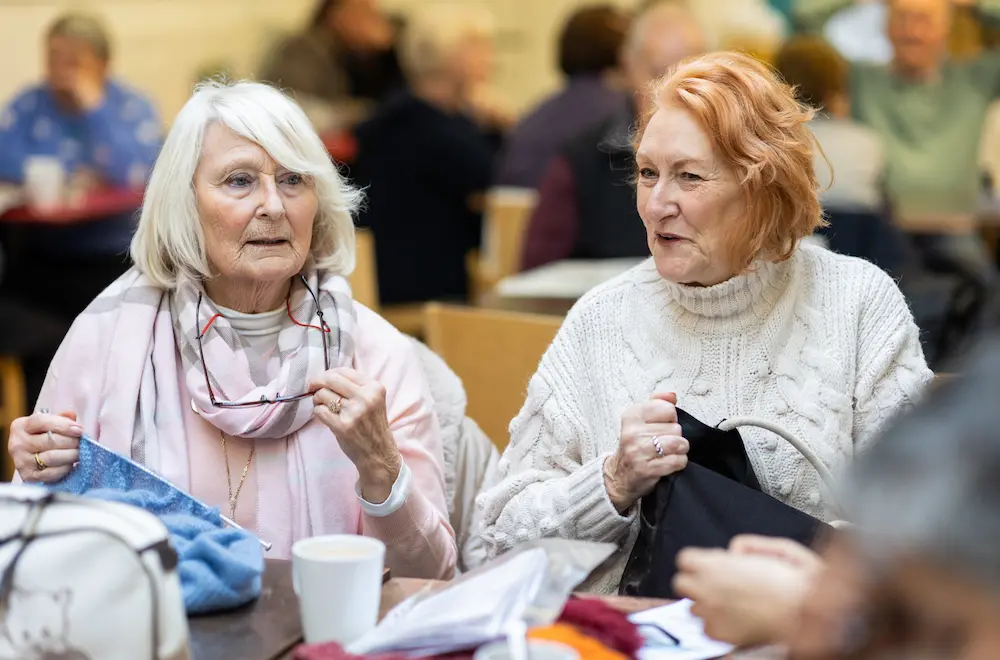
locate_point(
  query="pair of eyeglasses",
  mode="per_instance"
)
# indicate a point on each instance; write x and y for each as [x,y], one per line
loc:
[323,327]
[654,635]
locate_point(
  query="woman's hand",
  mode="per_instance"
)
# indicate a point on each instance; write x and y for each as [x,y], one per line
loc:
[353,406]
[650,447]
[45,447]
[744,599]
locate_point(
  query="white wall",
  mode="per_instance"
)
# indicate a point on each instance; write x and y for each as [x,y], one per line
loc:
[160,45]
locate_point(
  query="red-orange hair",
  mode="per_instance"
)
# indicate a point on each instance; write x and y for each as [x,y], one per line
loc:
[758,128]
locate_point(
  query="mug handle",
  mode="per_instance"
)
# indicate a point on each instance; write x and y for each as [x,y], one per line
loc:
[295,580]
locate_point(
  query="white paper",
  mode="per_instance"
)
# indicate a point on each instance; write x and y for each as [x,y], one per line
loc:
[679,622]
[462,615]
[563,279]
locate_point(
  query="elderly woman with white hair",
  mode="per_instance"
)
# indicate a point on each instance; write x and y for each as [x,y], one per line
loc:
[426,161]
[232,361]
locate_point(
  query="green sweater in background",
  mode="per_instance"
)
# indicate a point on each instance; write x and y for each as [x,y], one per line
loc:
[931,130]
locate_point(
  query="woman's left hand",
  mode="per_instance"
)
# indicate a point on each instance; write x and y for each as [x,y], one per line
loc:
[353,406]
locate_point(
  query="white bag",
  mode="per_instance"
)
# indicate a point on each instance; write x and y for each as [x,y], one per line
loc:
[84,579]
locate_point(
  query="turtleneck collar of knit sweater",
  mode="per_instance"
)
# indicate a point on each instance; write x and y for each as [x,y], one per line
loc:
[742,301]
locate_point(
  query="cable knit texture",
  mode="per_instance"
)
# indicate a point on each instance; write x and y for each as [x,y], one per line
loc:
[822,344]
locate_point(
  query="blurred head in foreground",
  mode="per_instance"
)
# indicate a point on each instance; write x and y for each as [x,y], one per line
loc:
[926,499]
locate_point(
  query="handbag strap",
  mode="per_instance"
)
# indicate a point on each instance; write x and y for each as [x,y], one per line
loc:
[824,472]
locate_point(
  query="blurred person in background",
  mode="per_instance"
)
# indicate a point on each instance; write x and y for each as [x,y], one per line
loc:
[426,162]
[929,111]
[850,162]
[586,206]
[852,157]
[341,65]
[853,170]
[104,134]
[589,57]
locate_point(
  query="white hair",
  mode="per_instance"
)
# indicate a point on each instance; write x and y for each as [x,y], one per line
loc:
[170,241]
[656,15]
[433,33]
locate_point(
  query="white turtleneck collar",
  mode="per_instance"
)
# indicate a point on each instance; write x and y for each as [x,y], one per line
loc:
[747,298]
[258,331]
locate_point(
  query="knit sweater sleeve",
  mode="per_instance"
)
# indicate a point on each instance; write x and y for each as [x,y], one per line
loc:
[550,482]
[891,370]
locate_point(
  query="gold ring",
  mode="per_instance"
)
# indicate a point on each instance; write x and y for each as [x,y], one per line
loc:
[334,405]
[39,463]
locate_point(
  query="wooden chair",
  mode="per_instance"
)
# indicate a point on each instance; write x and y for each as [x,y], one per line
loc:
[494,353]
[364,285]
[13,404]
[505,222]
[408,319]
[364,279]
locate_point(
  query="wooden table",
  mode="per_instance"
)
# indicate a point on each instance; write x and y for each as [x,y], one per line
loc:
[548,306]
[267,629]
[270,629]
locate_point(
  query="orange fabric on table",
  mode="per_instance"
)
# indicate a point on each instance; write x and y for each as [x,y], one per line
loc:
[588,647]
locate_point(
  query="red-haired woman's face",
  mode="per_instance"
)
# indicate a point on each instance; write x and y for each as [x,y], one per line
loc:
[689,200]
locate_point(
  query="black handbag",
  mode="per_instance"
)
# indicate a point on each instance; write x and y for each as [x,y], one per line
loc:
[715,498]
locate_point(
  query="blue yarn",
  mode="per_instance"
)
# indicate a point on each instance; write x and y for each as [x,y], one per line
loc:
[219,567]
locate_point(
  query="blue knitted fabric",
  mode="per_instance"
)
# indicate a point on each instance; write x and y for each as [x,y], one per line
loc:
[219,567]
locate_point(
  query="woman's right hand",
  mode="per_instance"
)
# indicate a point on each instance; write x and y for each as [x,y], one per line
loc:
[634,469]
[44,447]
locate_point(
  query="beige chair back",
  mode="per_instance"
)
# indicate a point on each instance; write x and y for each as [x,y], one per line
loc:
[495,353]
[364,279]
[505,223]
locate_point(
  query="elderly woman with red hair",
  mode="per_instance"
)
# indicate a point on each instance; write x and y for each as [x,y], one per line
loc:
[733,315]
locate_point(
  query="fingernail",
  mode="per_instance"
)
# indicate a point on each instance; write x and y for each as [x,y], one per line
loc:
[76,428]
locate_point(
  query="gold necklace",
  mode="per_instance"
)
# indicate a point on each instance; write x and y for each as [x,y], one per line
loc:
[229,479]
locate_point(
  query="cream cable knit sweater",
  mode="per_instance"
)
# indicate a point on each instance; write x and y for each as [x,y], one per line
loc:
[822,344]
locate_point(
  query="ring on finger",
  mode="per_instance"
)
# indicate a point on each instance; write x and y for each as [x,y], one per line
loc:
[335,405]
[657,447]
[39,462]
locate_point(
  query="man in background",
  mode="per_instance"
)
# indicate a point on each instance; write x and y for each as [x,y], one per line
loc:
[342,65]
[586,207]
[104,134]
[929,111]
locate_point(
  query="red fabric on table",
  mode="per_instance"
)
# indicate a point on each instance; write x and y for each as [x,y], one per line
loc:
[590,616]
[95,205]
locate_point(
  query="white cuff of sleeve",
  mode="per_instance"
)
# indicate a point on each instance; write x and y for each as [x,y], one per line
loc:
[396,499]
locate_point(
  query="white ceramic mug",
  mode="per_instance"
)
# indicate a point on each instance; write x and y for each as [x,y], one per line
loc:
[338,580]
[44,182]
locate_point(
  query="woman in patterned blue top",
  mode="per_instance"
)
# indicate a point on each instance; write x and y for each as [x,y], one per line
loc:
[99,129]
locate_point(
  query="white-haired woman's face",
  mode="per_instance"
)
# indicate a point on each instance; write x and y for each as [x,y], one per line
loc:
[257,217]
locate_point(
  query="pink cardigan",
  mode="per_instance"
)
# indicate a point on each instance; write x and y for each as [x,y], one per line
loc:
[419,540]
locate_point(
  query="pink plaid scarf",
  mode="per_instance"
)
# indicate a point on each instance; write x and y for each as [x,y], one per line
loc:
[137,409]
[237,377]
